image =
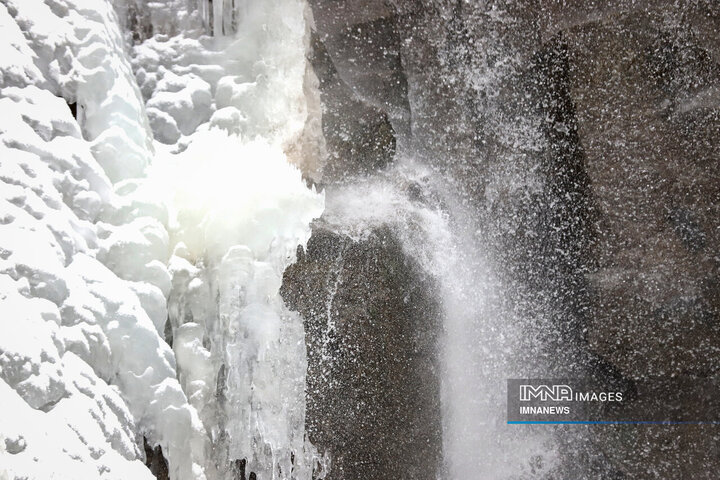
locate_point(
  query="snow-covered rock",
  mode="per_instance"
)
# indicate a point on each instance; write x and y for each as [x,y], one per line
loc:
[84,372]
[106,233]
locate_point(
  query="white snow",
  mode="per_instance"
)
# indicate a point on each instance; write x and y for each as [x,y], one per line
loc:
[83,371]
[174,195]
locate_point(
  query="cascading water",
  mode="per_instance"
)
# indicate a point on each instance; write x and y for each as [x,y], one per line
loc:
[482,343]
[509,189]
[233,109]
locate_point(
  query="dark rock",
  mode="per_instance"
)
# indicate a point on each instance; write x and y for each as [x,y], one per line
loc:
[372,332]
[647,127]
[359,137]
[363,88]
[363,44]
[584,135]
[73,109]
[155,461]
[237,470]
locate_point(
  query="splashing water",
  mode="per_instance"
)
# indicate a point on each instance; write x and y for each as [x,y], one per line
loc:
[230,102]
[481,338]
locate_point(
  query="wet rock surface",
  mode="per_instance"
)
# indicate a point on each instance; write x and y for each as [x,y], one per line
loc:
[359,136]
[647,122]
[372,330]
[155,461]
[586,138]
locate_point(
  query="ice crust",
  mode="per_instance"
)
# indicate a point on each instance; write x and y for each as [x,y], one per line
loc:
[83,371]
[147,187]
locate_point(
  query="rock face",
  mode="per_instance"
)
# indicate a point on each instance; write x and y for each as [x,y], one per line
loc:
[359,136]
[356,55]
[155,461]
[585,136]
[372,329]
[645,88]
[646,93]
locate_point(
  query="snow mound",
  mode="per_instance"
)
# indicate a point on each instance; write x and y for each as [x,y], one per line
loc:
[111,239]
[84,373]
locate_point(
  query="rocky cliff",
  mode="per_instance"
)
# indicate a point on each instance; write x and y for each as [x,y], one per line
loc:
[584,138]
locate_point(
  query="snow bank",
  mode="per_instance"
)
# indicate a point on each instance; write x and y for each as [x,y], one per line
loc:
[95,256]
[83,371]
[250,77]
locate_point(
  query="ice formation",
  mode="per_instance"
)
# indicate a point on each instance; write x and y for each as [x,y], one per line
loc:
[147,190]
[240,352]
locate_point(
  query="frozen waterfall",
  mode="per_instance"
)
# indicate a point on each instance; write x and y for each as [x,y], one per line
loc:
[114,241]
